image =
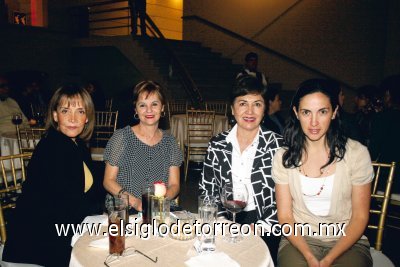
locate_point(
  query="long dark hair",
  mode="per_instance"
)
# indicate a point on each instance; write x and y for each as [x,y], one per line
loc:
[294,137]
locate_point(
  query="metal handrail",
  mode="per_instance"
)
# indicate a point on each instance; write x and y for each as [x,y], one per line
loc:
[263,47]
[187,81]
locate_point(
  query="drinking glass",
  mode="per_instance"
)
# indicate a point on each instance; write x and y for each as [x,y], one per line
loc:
[16,118]
[234,198]
[118,216]
[147,195]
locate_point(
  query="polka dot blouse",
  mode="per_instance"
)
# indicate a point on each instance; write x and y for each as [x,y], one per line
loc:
[138,161]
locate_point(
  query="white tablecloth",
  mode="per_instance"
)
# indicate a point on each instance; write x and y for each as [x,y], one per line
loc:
[9,144]
[252,251]
[178,127]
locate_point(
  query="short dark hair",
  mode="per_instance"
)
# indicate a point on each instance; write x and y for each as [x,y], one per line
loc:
[245,85]
[250,56]
[148,87]
[68,92]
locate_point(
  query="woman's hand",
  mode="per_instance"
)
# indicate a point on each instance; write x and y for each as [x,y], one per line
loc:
[312,261]
[135,203]
[325,262]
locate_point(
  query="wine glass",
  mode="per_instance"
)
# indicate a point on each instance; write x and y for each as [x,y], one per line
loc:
[16,118]
[234,198]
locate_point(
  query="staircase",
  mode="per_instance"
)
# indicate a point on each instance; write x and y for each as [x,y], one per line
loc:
[213,74]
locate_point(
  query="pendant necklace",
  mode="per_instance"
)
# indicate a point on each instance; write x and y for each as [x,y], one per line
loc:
[322,172]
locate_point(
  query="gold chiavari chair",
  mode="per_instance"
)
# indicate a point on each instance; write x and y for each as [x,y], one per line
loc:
[220,107]
[199,130]
[378,210]
[109,104]
[176,107]
[28,138]
[105,126]
[13,174]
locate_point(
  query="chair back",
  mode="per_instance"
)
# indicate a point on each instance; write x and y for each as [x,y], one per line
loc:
[380,202]
[13,174]
[106,124]
[199,131]
[109,104]
[28,138]
[220,107]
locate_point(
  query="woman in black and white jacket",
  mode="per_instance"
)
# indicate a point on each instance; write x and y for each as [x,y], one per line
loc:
[244,155]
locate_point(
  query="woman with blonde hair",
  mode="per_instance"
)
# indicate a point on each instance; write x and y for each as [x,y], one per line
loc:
[61,186]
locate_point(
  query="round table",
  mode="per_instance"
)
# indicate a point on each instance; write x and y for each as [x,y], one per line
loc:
[251,251]
[178,127]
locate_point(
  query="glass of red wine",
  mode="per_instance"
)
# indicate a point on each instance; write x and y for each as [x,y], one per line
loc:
[16,118]
[234,198]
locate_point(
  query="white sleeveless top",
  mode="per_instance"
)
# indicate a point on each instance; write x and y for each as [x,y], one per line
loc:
[318,204]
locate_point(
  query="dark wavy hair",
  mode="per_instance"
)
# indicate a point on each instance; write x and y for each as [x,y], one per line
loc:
[293,135]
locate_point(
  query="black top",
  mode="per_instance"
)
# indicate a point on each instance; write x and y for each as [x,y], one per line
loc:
[53,193]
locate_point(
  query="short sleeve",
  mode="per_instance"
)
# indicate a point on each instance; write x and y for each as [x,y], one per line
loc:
[361,167]
[280,174]
[176,158]
[115,148]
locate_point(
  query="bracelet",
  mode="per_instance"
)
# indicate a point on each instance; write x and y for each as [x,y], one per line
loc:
[121,192]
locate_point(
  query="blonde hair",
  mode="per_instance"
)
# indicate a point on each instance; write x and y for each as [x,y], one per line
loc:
[68,93]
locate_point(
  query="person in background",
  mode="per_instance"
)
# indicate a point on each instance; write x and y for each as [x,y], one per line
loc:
[138,9]
[244,155]
[250,68]
[322,176]
[97,94]
[272,120]
[385,128]
[348,120]
[61,185]
[142,153]
[32,102]
[368,103]
[8,107]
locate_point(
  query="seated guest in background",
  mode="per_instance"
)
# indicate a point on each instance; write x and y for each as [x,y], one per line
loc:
[32,102]
[244,155]
[8,107]
[61,186]
[97,94]
[322,177]
[368,103]
[143,152]
[272,120]
[385,128]
[250,69]
[348,120]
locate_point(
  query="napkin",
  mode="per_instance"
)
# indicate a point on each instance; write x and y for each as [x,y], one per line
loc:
[98,219]
[211,260]
[100,243]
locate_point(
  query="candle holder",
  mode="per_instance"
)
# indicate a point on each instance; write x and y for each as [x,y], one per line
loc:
[160,207]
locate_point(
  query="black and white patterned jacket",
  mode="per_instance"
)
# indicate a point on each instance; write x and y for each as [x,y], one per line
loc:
[217,170]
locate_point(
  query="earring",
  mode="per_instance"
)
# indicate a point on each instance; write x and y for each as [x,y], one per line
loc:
[162,114]
[136,116]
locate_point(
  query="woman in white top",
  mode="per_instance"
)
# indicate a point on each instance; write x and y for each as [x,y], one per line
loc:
[322,177]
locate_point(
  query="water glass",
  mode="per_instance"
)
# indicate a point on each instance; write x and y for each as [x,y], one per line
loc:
[204,200]
[208,218]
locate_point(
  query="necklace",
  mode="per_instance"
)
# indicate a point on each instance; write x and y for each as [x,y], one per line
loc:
[322,172]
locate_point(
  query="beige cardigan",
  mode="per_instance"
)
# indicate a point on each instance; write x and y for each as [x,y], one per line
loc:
[354,169]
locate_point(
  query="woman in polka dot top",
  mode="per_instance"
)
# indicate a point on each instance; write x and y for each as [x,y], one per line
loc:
[140,153]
